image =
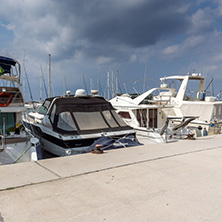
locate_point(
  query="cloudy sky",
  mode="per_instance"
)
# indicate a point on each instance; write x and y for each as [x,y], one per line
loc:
[139,38]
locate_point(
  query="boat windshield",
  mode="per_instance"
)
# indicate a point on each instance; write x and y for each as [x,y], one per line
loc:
[98,120]
[65,122]
[90,120]
[44,108]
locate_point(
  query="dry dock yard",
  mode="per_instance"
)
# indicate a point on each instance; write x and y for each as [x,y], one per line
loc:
[174,182]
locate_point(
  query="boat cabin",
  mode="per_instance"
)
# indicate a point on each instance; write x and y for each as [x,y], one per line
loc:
[73,115]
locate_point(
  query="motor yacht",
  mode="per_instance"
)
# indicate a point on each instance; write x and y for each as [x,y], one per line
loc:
[70,124]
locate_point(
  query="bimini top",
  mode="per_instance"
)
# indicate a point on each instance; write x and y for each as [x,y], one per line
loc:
[79,115]
[6,64]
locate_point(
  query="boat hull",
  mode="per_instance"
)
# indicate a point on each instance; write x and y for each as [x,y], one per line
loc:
[66,145]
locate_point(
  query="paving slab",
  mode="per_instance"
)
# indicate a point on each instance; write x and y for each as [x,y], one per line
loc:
[21,174]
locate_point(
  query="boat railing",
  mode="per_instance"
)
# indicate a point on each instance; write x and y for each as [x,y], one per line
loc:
[3,136]
[177,128]
[10,96]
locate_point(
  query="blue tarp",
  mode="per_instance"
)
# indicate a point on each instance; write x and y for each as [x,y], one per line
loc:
[109,143]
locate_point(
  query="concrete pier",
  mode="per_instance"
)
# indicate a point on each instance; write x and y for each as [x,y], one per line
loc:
[179,181]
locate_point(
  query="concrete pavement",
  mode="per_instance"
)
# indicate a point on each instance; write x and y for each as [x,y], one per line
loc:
[160,182]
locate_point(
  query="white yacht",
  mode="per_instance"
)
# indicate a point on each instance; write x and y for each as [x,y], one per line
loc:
[180,100]
[16,145]
[70,124]
[146,115]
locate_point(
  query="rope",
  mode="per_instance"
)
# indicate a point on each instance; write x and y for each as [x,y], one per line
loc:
[119,142]
[24,152]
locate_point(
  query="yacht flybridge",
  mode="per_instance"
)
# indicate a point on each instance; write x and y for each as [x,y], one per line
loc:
[70,124]
[16,144]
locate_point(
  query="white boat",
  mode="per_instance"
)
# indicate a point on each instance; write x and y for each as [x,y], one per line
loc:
[70,124]
[16,144]
[186,103]
[148,118]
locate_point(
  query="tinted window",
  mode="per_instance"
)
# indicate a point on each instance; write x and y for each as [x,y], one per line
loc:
[65,122]
[118,118]
[90,120]
[125,115]
[109,118]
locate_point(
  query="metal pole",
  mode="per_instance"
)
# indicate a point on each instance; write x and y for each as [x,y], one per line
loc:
[3,139]
[108,85]
[49,89]
[40,84]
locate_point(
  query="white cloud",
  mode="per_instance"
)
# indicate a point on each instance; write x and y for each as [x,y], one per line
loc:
[186,46]
[133,58]
[103,60]
[202,21]
[217,58]
[171,50]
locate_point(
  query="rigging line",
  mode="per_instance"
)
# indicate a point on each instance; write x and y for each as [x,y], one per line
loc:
[84,83]
[28,83]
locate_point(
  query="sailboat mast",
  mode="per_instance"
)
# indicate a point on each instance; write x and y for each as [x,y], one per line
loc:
[144,83]
[98,83]
[49,88]
[65,85]
[113,90]
[91,85]
[108,85]
[40,83]
[117,82]
[23,84]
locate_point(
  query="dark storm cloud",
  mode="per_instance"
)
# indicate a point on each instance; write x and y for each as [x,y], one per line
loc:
[112,28]
[136,24]
[91,29]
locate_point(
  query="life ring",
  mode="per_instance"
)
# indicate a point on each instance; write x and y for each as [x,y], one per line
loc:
[3,94]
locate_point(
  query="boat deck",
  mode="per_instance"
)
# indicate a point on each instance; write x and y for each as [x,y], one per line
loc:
[174,182]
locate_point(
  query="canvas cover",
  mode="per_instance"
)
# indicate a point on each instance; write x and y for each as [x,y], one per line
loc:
[81,104]
[204,111]
[5,64]
[82,115]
